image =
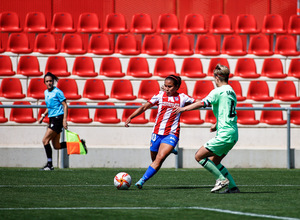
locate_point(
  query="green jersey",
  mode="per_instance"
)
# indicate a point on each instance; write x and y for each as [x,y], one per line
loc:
[223,102]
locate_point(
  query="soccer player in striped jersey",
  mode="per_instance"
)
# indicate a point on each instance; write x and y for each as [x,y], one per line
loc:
[166,130]
[223,102]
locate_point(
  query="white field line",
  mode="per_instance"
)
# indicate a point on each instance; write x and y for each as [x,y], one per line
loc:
[21,186]
[153,208]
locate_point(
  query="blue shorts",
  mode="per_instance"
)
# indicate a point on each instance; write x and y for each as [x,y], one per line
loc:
[156,140]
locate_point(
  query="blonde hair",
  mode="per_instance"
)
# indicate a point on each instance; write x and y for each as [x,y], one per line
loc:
[222,72]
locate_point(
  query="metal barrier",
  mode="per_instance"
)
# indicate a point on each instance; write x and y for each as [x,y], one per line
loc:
[287,109]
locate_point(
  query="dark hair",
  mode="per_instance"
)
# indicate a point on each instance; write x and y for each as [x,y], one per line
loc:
[176,80]
[54,78]
[222,72]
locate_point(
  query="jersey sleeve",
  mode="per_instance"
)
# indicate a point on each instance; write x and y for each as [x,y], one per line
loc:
[155,99]
[60,95]
[211,98]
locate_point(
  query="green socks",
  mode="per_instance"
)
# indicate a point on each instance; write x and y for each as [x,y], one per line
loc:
[211,167]
[225,172]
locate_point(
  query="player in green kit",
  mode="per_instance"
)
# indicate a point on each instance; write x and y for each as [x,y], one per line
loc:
[223,102]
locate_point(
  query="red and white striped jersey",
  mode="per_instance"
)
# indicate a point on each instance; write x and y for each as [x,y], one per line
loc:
[167,122]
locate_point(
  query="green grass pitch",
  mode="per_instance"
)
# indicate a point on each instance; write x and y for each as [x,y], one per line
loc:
[27,193]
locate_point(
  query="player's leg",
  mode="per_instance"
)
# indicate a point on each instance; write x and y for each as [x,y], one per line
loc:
[56,143]
[232,187]
[49,135]
[202,157]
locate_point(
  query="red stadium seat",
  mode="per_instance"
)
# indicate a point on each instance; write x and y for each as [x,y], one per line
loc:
[106,115]
[72,44]
[220,24]
[69,88]
[273,24]
[3,119]
[101,44]
[45,44]
[36,88]
[207,45]
[122,90]
[168,24]
[192,68]
[258,90]
[272,68]
[246,117]
[29,66]
[183,88]
[164,66]
[9,22]
[62,23]
[138,67]
[194,24]
[213,63]
[142,24]
[294,68]
[180,45]
[259,45]
[115,23]
[140,119]
[236,86]
[153,114]
[246,68]
[11,88]
[286,46]
[202,88]
[79,115]
[191,117]
[286,91]
[233,46]
[294,24]
[84,67]
[35,22]
[210,117]
[127,44]
[272,117]
[295,115]
[18,43]
[41,111]
[246,24]
[111,67]
[89,23]
[148,88]
[94,89]
[57,65]
[154,44]
[22,115]
[6,68]
[2,49]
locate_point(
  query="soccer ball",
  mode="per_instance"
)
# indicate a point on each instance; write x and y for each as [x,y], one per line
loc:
[122,180]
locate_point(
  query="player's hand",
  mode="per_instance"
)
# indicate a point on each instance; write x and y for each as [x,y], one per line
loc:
[41,120]
[65,124]
[127,122]
[213,128]
[178,110]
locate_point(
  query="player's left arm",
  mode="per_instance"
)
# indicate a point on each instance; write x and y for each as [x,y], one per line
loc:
[65,106]
[195,105]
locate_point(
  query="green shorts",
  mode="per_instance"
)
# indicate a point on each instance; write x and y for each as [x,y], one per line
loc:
[219,145]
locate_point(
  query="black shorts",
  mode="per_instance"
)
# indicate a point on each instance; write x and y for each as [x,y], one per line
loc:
[56,123]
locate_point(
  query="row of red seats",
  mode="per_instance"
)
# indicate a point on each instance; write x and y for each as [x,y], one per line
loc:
[138,67]
[62,22]
[153,44]
[247,117]
[122,89]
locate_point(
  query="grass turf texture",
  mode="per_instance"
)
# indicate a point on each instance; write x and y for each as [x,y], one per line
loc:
[181,194]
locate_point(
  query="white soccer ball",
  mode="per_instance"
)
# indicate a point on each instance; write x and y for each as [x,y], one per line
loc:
[122,180]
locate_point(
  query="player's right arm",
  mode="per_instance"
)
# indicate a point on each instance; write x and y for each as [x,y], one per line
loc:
[137,112]
[195,105]
[43,116]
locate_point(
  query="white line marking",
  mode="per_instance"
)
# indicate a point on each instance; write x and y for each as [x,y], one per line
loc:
[152,208]
[20,186]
